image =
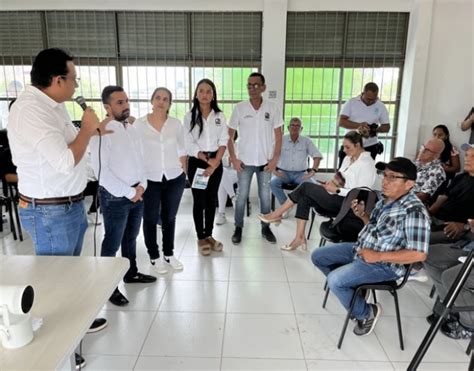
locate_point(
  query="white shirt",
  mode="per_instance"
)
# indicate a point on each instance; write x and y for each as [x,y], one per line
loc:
[256,131]
[356,110]
[162,148]
[361,173]
[39,132]
[122,160]
[214,134]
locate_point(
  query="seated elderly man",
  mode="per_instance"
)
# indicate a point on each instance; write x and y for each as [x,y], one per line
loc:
[451,210]
[293,164]
[443,266]
[396,233]
[430,173]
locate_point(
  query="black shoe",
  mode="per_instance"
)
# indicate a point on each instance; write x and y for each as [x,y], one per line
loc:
[268,234]
[80,361]
[97,325]
[433,317]
[237,236]
[140,278]
[366,326]
[118,298]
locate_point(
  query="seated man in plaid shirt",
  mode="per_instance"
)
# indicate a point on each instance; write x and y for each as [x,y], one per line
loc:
[396,233]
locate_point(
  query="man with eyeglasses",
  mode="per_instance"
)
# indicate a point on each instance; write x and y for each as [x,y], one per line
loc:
[369,113]
[49,154]
[430,172]
[396,233]
[259,123]
[293,164]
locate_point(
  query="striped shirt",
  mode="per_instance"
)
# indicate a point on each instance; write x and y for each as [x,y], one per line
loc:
[401,224]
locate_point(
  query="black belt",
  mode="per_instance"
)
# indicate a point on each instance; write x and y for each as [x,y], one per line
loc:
[210,154]
[54,200]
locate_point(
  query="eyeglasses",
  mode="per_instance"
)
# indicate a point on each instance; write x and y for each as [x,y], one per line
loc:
[253,86]
[295,126]
[77,80]
[392,178]
[423,148]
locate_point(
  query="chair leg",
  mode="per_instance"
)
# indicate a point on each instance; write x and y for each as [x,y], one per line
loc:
[470,347]
[12,224]
[322,242]
[374,296]
[17,218]
[432,292]
[346,321]
[313,215]
[326,294]
[399,322]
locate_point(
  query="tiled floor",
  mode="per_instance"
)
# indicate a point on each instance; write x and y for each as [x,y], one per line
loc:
[251,307]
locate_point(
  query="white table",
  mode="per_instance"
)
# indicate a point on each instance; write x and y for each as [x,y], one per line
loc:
[69,293]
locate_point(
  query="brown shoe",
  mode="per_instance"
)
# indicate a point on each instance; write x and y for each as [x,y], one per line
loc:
[215,245]
[204,247]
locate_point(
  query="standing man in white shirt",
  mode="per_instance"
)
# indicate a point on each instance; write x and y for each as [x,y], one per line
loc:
[122,182]
[50,154]
[367,111]
[259,123]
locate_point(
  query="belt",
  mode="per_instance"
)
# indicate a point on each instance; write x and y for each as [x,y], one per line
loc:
[210,154]
[53,201]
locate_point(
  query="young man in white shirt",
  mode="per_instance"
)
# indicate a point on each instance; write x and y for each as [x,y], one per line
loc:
[122,182]
[50,154]
[364,111]
[258,122]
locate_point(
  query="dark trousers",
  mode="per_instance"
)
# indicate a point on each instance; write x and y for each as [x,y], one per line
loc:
[309,195]
[161,198]
[91,190]
[122,219]
[205,200]
[374,151]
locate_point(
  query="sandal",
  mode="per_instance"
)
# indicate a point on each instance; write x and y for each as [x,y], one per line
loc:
[215,245]
[204,247]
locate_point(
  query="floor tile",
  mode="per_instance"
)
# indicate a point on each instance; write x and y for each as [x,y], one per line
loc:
[204,268]
[177,363]
[195,296]
[262,364]
[185,335]
[257,269]
[303,270]
[428,366]
[124,335]
[262,336]
[308,298]
[320,334]
[322,365]
[259,297]
[104,362]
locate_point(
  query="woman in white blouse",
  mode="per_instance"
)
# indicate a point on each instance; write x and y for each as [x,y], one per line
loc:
[206,140]
[357,170]
[165,161]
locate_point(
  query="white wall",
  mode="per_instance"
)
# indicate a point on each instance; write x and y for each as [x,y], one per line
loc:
[438,77]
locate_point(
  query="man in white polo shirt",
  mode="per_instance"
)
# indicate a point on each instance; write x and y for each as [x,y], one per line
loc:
[364,111]
[259,123]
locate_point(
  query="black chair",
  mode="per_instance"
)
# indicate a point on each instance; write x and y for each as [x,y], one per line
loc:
[14,196]
[390,286]
[7,202]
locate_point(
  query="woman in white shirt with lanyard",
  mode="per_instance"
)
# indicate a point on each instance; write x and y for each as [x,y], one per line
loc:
[206,140]
[165,161]
[357,170]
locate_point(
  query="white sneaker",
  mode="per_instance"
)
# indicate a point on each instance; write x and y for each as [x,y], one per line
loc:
[220,219]
[173,262]
[160,265]
[418,275]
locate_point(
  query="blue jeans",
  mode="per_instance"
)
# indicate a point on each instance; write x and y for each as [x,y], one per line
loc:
[289,177]
[122,220]
[345,272]
[55,229]
[161,199]
[264,193]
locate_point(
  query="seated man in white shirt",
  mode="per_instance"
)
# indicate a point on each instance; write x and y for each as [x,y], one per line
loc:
[122,182]
[292,167]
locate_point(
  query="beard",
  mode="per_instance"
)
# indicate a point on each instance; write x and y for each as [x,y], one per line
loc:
[123,115]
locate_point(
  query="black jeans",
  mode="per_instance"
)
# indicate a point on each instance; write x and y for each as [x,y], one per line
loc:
[309,195]
[161,198]
[205,200]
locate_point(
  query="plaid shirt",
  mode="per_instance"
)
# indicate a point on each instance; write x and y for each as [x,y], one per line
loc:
[401,224]
[429,177]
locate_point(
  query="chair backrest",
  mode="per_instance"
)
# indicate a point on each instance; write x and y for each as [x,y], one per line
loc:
[369,196]
[408,268]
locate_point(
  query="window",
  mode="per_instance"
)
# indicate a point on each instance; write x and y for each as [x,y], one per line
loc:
[330,56]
